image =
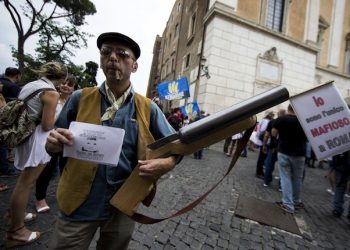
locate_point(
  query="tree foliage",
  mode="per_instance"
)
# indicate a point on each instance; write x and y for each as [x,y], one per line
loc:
[57,22]
[86,77]
[58,43]
[90,74]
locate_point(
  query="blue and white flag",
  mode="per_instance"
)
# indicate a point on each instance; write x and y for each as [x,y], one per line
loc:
[190,109]
[174,90]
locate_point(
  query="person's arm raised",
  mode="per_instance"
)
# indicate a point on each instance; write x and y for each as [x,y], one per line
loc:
[49,99]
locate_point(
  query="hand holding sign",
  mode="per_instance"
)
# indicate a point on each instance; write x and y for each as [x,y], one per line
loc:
[95,143]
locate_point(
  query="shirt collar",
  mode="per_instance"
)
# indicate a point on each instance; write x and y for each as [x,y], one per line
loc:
[115,103]
[104,86]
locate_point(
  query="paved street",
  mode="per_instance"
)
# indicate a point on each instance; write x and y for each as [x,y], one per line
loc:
[212,224]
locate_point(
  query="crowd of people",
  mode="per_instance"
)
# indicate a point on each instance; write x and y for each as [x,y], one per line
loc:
[82,207]
[85,188]
[283,141]
[177,120]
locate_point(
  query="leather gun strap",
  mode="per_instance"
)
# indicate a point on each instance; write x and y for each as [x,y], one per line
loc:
[140,218]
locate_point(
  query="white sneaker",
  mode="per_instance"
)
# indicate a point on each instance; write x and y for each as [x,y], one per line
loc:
[329,190]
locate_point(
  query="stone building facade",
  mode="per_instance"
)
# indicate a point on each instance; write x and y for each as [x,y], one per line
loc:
[231,50]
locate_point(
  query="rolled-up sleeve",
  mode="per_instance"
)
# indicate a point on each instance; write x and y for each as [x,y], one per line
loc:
[159,125]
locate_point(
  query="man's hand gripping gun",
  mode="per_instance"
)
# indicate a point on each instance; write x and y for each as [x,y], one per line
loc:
[194,137]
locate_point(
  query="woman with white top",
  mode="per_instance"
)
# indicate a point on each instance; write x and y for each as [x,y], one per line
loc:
[66,89]
[30,156]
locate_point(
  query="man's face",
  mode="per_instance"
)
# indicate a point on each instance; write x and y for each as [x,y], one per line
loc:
[117,61]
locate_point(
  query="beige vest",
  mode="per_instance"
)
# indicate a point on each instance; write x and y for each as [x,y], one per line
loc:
[77,177]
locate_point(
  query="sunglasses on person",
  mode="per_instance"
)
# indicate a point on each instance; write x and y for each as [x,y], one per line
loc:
[122,53]
[70,84]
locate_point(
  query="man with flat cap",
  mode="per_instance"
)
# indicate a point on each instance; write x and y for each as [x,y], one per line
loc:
[85,188]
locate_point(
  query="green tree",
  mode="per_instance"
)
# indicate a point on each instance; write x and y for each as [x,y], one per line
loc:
[90,74]
[85,76]
[78,72]
[32,63]
[43,20]
[57,43]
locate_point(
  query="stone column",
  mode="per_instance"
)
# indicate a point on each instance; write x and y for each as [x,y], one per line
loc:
[336,33]
[311,23]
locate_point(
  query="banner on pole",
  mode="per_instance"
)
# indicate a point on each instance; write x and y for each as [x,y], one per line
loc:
[190,109]
[174,90]
[325,118]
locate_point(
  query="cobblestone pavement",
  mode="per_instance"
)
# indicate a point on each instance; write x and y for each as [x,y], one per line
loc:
[212,224]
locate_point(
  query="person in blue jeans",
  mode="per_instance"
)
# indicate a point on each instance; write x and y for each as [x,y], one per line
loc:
[341,165]
[6,169]
[270,149]
[198,155]
[271,158]
[4,165]
[291,157]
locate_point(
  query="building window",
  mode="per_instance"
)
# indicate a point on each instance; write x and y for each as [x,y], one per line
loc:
[187,64]
[177,29]
[347,54]
[172,64]
[179,7]
[192,25]
[275,12]
[163,73]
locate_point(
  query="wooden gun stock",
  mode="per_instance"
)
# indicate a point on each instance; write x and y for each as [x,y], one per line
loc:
[136,188]
[194,137]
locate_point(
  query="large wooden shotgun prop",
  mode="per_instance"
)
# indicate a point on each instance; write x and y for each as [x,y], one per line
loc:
[194,137]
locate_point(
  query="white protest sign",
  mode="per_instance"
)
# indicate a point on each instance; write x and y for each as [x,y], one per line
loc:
[325,118]
[95,143]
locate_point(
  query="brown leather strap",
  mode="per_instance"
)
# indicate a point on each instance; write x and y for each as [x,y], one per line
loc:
[140,218]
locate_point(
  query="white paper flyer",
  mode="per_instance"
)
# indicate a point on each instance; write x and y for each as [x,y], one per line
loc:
[95,143]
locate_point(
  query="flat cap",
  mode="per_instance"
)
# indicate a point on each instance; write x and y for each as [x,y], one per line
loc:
[123,39]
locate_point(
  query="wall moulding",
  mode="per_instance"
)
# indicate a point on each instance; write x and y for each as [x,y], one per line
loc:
[269,68]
